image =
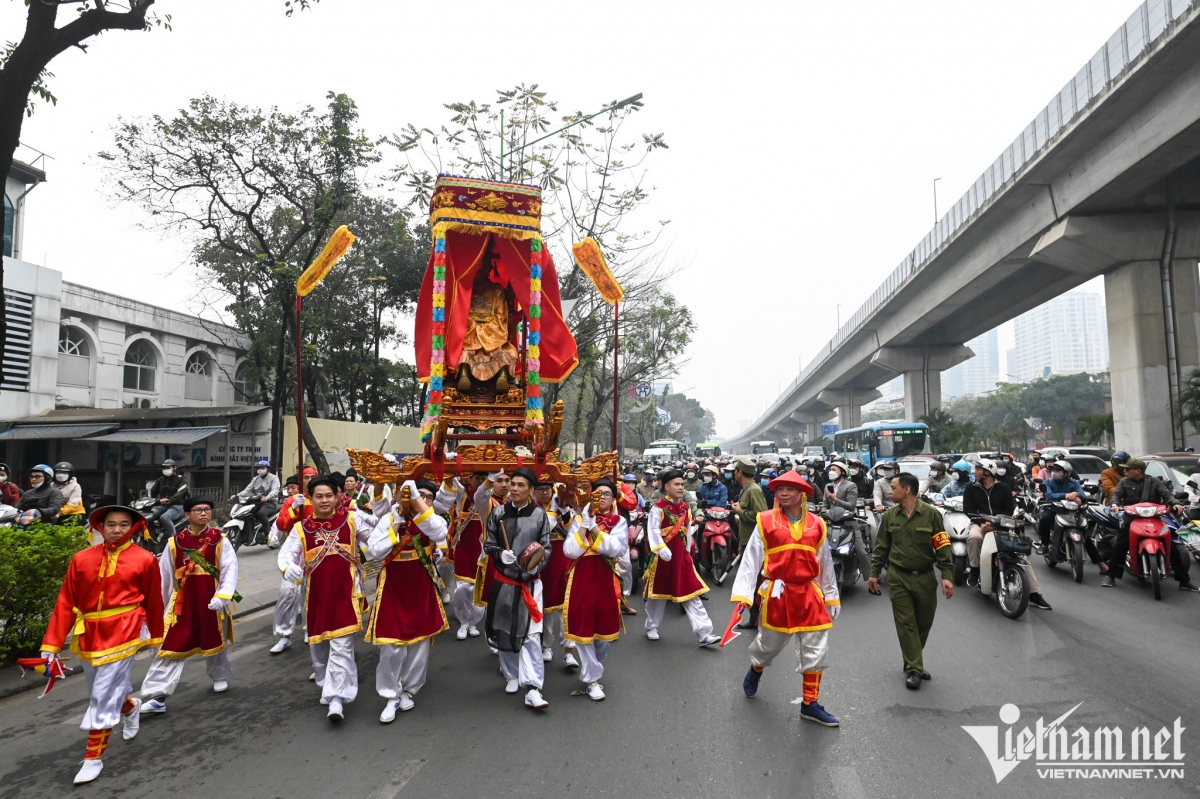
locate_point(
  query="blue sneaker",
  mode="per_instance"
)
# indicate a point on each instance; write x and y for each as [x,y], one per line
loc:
[750,684]
[812,711]
[154,706]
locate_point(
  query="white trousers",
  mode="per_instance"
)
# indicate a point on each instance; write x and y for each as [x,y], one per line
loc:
[164,674]
[465,609]
[553,624]
[337,674]
[591,660]
[401,668]
[108,687]
[812,649]
[625,572]
[526,666]
[445,570]
[287,609]
[697,616]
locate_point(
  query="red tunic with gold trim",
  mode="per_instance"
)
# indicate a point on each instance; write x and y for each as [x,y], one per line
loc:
[794,553]
[668,526]
[485,574]
[408,606]
[592,609]
[333,599]
[108,595]
[467,545]
[554,576]
[191,628]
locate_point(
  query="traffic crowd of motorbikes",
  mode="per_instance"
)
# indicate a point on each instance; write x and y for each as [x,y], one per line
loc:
[1000,515]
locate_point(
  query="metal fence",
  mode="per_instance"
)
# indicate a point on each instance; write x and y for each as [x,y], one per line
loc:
[1151,22]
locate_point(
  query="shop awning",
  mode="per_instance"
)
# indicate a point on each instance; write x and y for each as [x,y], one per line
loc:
[177,436]
[34,432]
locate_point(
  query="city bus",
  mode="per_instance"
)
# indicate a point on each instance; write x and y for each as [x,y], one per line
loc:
[763,447]
[708,450]
[665,450]
[888,440]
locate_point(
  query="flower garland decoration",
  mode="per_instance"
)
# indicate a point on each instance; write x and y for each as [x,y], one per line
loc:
[533,365]
[437,359]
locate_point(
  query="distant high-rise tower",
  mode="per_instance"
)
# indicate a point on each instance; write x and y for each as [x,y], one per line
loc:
[1064,336]
[977,375]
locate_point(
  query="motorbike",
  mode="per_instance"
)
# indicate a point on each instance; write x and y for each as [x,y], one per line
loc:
[846,543]
[1002,562]
[1101,536]
[639,548]
[1067,535]
[152,539]
[1150,540]
[243,527]
[713,537]
[958,527]
[8,515]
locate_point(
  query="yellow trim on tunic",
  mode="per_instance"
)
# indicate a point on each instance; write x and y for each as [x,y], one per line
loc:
[567,601]
[370,636]
[650,581]
[357,597]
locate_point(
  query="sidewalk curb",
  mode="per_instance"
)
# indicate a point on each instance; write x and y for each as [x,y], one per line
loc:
[248,605]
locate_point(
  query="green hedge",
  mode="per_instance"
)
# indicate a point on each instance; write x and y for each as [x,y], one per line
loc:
[33,562]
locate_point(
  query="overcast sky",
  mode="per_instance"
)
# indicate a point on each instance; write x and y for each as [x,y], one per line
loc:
[804,137]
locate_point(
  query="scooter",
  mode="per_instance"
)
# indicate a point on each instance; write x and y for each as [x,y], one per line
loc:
[958,527]
[243,527]
[1150,534]
[152,539]
[713,536]
[8,515]
[1002,561]
[639,548]
[1067,535]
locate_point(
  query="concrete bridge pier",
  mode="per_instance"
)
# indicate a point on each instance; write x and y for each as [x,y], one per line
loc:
[849,403]
[922,367]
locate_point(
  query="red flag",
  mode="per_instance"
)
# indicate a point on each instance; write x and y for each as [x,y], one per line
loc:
[53,669]
[731,633]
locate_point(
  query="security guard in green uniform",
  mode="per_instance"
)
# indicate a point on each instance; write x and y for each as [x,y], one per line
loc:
[912,536]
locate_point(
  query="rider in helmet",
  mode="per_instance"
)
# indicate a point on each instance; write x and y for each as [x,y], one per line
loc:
[68,486]
[712,492]
[263,490]
[861,477]
[881,495]
[691,477]
[170,491]
[937,479]
[629,487]
[1061,485]
[41,501]
[10,492]
[1112,475]
[960,478]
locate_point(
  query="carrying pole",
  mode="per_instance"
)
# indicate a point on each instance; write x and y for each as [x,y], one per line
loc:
[299,393]
[616,381]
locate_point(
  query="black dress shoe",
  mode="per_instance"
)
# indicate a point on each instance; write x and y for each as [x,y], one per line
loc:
[913,681]
[925,676]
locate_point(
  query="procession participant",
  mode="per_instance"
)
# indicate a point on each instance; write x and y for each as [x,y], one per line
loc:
[514,611]
[554,576]
[287,607]
[407,612]
[465,548]
[199,572]
[627,501]
[592,613]
[322,552]
[672,575]
[111,604]
[799,591]
[356,491]
[489,496]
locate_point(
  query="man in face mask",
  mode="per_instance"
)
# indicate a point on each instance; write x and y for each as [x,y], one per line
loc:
[170,490]
[712,492]
[691,478]
[10,494]
[860,478]
[42,501]
[264,491]
[882,493]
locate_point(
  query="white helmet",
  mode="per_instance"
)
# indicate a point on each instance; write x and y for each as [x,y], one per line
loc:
[988,465]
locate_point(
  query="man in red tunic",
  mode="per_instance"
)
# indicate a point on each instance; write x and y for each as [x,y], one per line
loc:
[322,552]
[592,610]
[199,572]
[111,604]
[672,575]
[465,548]
[554,576]
[799,590]
[408,610]
[490,495]
[287,608]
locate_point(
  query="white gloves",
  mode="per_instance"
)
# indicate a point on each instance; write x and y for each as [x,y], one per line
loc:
[216,604]
[834,611]
[275,538]
[492,477]
[389,458]
[507,557]
[50,657]
[293,574]
[412,487]
[777,589]
[665,554]
[298,502]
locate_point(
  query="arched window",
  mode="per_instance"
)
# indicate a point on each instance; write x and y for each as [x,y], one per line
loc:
[198,364]
[242,385]
[10,218]
[140,366]
[72,341]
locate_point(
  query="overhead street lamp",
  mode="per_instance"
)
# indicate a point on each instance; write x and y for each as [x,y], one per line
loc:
[614,107]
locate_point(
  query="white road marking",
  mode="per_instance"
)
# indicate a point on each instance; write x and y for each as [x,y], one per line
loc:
[846,784]
[408,769]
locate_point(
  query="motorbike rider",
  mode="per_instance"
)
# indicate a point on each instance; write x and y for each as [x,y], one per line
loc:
[882,492]
[263,490]
[841,494]
[691,478]
[10,492]
[937,479]
[764,482]
[960,478]
[1137,486]
[1009,472]
[991,497]
[860,477]
[41,501]
[1112,475]
[170,491]
[1061,485]
[712,492]
[818,478]
[68,486]
[629,486]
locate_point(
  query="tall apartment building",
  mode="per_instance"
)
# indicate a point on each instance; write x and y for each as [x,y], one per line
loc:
[1067,335]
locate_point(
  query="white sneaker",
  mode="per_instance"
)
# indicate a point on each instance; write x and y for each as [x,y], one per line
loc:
[595,691]
[652,635]
[389,711]
[547,654]
[312,677]
[220,686]
[473,631]
[324,701]
[495,651]
[534,699]
[335,710]
[89,771]
[462,633]
[405,702]
[569,659]
[710,639]
[132,722]
[153,707]
[511,687]
[282,645]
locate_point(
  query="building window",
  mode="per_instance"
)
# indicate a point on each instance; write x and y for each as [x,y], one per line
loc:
[242,385]
[10,218]
[72,341]
[198,364]
[140,366]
